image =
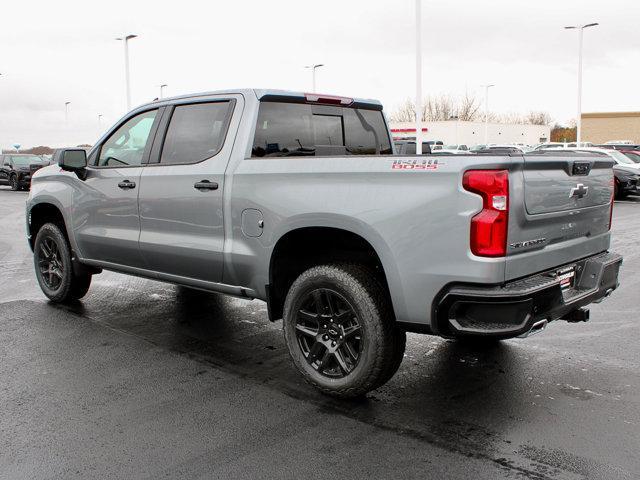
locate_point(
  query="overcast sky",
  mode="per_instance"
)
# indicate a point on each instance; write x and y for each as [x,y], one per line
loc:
[53,52]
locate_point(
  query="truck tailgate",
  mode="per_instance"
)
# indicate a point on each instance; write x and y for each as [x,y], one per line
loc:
[559,212]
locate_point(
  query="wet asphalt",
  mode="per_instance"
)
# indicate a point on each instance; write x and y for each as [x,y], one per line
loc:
[147,380]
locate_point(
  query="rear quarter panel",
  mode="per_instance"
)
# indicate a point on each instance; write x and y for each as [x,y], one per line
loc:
[416,218]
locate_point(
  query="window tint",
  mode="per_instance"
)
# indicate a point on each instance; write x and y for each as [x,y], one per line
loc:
[196,132]
[126,145]
[292,129]
[25,160]
[633,156]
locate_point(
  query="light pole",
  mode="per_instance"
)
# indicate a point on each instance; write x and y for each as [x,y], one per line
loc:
[66,113]
[580,29]
[126,39]
[313,75]
[161,90]
[418,77]
[99,121]
[456,118]
[486,111]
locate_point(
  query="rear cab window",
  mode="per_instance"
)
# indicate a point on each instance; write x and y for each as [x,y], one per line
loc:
[301,129]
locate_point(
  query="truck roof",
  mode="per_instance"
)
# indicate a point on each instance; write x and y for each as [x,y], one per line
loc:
[261,93]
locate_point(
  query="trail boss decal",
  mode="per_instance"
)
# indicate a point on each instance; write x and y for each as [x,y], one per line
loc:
[416,164]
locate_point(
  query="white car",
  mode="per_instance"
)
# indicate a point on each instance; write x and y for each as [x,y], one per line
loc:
[619,157]
[559,145]
[455,149]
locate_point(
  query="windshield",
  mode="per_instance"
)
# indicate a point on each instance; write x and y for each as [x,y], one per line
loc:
[633,156]
[25,160]
[620,157]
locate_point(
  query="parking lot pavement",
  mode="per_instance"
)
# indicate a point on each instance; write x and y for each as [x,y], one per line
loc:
[145,380]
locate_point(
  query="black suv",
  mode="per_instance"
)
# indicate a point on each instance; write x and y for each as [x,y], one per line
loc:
[16,169]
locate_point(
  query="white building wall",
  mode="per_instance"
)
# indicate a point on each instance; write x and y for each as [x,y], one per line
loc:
[472,133]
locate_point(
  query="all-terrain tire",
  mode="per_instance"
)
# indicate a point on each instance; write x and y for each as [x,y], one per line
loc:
[382,341]
[63,286]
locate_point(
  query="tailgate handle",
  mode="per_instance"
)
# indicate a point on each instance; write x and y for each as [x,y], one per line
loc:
[581,168]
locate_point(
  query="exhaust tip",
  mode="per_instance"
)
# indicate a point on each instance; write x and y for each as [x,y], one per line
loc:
[537,327]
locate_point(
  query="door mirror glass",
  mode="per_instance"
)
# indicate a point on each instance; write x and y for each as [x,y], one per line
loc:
[73,159]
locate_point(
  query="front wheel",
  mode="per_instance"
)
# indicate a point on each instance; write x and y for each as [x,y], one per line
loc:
[54,270]
[13,181]
[340,330]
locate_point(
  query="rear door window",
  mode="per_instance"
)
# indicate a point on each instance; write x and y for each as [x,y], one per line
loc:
[293,129]
[196,132]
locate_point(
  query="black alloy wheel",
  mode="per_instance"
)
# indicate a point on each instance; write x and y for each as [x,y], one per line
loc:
[340,329]
[50,263]
[54,267]
[13,181]
[329,333]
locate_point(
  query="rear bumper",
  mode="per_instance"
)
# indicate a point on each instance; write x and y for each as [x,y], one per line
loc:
[514,308]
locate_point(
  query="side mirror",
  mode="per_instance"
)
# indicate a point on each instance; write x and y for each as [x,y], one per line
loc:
[73,159]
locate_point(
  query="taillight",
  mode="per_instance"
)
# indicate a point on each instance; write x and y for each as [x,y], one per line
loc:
[489,227]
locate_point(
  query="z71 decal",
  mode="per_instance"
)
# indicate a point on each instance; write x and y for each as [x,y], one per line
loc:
[416,164]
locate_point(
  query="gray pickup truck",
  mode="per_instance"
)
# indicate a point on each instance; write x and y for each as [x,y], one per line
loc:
[298,200]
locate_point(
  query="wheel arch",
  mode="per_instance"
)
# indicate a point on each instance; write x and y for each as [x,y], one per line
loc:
[304,246]
[48,212]
[41,213]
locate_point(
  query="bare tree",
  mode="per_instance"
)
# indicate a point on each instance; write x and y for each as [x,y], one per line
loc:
[405,112]
[538,118]
[467,108]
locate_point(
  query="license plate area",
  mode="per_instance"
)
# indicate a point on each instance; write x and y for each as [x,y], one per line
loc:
[566,276]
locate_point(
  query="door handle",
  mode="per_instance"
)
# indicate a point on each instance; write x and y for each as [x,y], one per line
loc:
[127,184]
[205,185]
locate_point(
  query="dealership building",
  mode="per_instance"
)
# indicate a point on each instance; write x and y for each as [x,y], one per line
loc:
[609,126]
[473,133]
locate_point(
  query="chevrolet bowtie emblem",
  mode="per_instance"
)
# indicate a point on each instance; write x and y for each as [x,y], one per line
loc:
[579,191]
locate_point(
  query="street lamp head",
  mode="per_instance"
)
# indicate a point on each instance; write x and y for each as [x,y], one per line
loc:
[581,27]
[67,103]
[126,37]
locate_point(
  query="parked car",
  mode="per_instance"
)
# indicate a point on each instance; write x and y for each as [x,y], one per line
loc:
[495,149]
[16,169]
[619,146]
[556,145]
[632,154]
[626,171]
[408,147]
[455,149]
[296,199]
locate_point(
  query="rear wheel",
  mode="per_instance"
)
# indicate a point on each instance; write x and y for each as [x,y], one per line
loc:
[54,270]
[340,330]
